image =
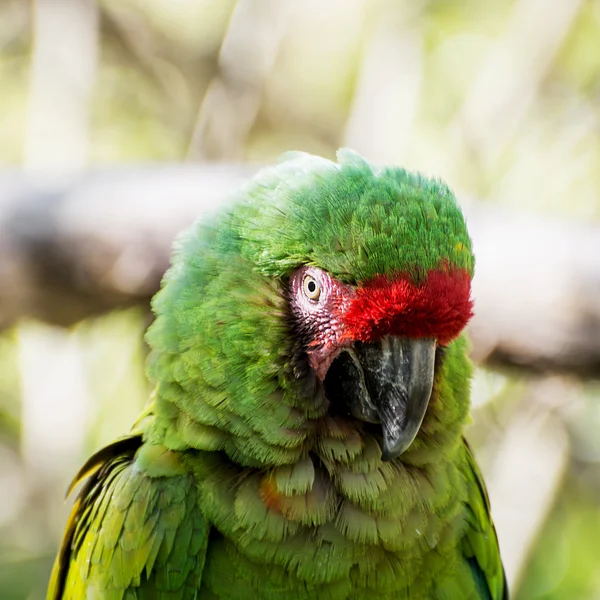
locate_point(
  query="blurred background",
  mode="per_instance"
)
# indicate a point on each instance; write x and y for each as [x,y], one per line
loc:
[122,120]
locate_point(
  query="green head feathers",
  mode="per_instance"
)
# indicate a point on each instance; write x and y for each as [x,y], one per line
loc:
[351,219]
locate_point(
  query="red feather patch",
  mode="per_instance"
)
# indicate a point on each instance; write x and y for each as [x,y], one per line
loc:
[439,308]
[269,494]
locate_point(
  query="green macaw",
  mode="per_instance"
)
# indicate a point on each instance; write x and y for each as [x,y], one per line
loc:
[305,436]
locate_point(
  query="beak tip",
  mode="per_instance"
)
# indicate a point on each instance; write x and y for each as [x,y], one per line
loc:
[386,455]
[392,450]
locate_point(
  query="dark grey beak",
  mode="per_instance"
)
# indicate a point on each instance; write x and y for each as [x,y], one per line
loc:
[387,382]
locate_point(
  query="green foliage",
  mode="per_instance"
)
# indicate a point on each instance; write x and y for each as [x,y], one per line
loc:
[564,563]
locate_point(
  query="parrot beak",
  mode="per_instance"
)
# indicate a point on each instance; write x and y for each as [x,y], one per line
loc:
[389,382]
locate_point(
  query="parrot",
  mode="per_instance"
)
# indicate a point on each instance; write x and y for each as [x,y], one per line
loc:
[304,438]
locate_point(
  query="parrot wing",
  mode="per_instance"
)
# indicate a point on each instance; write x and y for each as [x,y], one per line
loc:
[135,531]
[480,542]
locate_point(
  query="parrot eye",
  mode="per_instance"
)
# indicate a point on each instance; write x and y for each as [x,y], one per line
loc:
[311,288]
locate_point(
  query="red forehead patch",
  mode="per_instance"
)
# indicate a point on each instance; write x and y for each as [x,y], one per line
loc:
[439,308]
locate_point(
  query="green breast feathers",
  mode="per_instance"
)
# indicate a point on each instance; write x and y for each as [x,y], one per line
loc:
[305,436]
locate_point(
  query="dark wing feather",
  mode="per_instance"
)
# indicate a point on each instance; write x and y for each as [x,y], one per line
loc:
[135,530]
[480,542]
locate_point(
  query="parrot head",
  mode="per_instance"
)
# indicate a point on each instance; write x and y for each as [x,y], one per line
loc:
[343,275]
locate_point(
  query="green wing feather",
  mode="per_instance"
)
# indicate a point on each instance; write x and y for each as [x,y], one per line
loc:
[480,542]
[135,531]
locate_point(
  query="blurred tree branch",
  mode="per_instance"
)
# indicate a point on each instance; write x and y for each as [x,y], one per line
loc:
[102,241]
